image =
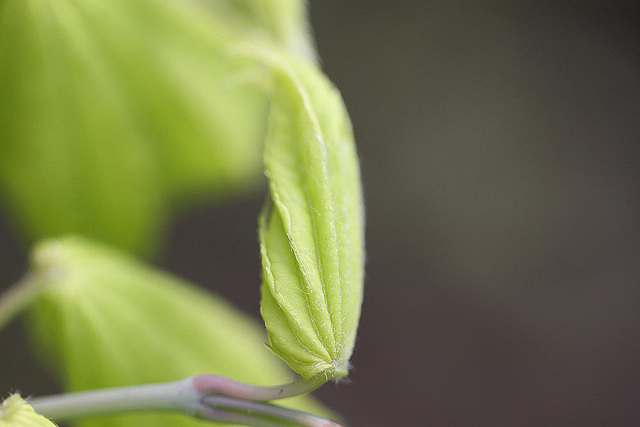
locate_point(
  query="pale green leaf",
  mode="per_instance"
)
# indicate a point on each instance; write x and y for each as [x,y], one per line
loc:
[71,157]
[285,21]
[312,235]
[105,320]
[114,111]
[15,412]
[202,123]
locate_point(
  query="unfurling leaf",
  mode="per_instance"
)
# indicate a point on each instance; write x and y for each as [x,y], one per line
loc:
[15,412]
[311,231]
[105,320]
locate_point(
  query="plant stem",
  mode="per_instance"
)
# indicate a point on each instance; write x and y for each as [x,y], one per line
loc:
[17,297]
[260,411]
[173,396]
[213,384]
[207,397]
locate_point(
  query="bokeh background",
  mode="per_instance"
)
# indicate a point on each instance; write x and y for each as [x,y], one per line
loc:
[500,150]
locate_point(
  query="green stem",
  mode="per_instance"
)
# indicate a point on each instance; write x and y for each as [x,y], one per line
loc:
[18,297]
[173,396]
[207,397]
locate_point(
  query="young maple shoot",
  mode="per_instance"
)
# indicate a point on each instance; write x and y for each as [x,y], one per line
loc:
[103,321]
[312,256]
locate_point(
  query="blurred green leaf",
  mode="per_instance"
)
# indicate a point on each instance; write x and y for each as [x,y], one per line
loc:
[285,21]
[113,112]
[71,157]
[201,121]
[105,320]
[312,236]
[15,412]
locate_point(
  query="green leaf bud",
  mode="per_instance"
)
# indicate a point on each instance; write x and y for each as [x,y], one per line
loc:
[311,230]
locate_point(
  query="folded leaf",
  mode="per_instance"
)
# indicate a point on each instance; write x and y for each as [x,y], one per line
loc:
[15,412]
[104,320]
[311,232]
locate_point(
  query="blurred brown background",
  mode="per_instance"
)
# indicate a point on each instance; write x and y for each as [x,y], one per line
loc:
[500,148]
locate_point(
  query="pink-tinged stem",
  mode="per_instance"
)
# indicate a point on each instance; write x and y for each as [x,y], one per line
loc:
[261,410]
[213,384]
